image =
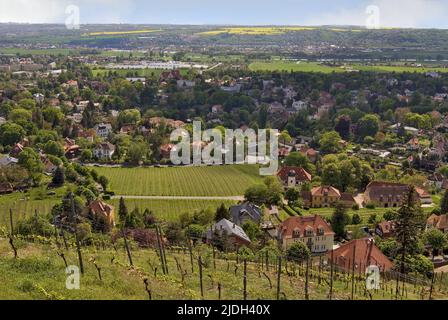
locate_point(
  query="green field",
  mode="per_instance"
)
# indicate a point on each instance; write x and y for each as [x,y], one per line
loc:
[182,181]
[302,66]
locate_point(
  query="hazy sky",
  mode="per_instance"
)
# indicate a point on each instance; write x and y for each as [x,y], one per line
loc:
[393,13]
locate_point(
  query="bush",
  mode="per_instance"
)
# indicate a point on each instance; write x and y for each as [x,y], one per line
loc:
[106,197]
[298,252]
[370,206]
[355,207]
[356,219]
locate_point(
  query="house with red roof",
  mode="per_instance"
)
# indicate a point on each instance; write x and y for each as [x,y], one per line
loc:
[293,176]
[360,253]
[313,231]
[326,197]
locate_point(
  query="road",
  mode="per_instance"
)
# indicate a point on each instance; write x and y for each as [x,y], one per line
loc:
[233,198]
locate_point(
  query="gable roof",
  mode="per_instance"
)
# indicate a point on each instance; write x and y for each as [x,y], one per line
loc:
[231,228]
[300,224]
[325,191]
[377,190]
[439,222]
[300,173]
[366,253]
[245,209]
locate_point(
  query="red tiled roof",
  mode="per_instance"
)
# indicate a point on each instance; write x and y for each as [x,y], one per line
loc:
[366,254]
[300,174]
[304,223]
[439,222]
[325,191]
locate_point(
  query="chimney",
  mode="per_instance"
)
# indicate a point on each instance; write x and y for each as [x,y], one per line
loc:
[233,226]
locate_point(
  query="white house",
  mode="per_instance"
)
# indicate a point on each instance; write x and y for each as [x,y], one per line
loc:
[103,130]
[104,150]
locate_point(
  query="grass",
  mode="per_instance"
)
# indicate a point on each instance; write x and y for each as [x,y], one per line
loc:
[26,204]
[39,273]
[182,181]
[169,210]
[303,66]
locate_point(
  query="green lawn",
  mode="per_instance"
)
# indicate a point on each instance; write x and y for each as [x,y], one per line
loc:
[182,181]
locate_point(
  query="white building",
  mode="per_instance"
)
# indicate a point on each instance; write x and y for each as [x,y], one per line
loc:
[104,150]
[103,130]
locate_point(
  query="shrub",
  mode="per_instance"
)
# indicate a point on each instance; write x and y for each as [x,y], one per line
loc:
[370,206]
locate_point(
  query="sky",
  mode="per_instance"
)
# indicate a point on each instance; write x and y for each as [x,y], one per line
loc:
[391,13]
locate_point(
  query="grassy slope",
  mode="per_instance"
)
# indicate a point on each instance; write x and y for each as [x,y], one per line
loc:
[184,181]
[39,273]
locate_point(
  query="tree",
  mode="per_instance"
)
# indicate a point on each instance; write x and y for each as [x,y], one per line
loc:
[11,133]
[122,210]
[339,220]
[54,148]
[104,182]
[297,159]
[222,213]
[30,160]
[368,126]
[298,252]
[256,194]
[274,190]
[252,230]
[356,219]
[59,176]
[444,203]
[330,142]
[436,239]
[292,195]
[137,152]
[409,222]
[343,126]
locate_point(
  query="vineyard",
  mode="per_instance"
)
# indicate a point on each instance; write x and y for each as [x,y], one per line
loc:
[38,272]
[182,181]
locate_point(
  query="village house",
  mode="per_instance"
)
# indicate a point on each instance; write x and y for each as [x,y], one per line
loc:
[8,161]
[103,130]
[246,212]
[6,187]
[127,129]
[104,151]
[313,231]
[71,149]
[165,150]
[293,176]
[236,237]
[390,194]
[326,197]
[385,229]
[438,222]
[101,211]
[365,254]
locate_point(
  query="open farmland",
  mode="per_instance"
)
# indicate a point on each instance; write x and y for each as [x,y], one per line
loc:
[225,181]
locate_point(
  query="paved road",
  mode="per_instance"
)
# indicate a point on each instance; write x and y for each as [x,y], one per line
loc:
[234,198]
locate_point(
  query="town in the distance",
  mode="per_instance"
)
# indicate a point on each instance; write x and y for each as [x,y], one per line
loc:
[356,211]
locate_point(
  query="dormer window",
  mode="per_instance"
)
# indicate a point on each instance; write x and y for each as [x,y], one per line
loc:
[296,233]
[309,232]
